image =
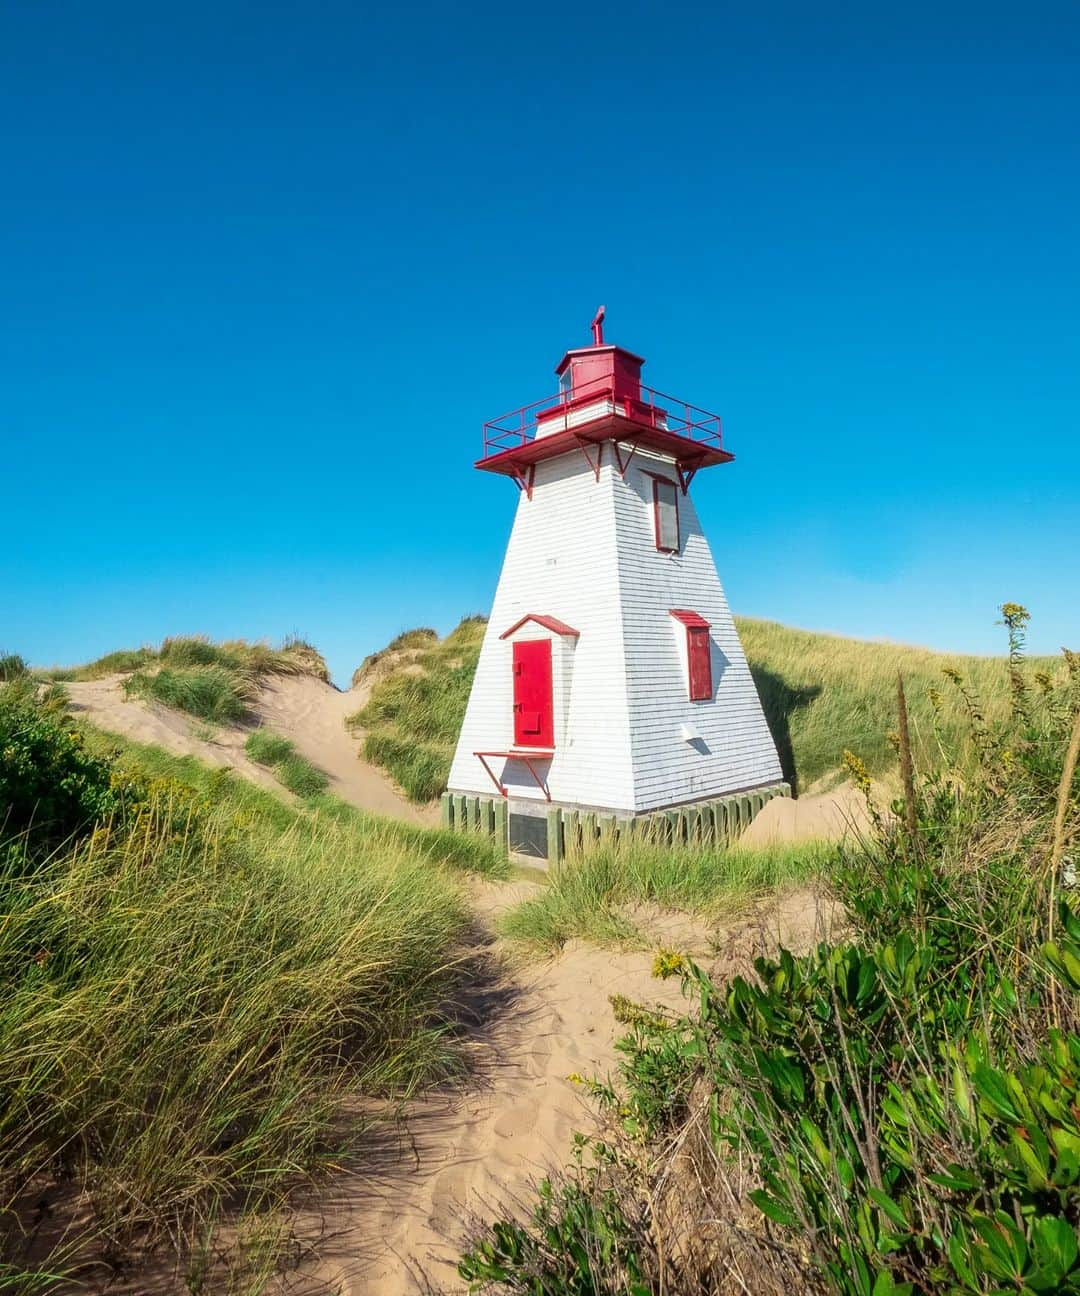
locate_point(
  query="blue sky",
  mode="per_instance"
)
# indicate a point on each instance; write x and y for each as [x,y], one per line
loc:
[265,269]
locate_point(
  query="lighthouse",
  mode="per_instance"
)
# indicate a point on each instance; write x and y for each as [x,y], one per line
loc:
[612,693]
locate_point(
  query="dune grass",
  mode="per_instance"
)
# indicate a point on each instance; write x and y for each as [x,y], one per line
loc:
[291,769]
[210,692]
[823,694]
[197,980]
[414,714]
[214,682]
[589,895]
[12,667]
[295,656]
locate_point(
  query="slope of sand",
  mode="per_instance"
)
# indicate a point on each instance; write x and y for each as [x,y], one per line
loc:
[827,817]
[300,707]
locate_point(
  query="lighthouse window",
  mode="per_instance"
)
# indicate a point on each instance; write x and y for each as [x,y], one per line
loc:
[666,515]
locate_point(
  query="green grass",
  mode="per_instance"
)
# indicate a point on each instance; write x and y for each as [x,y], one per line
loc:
[268,748]
[824,693]
[209,692]
[12,667]
[589,895]
[294,657]
[412,719]
[193,990]
[214,682]
[291,769]
[821,694]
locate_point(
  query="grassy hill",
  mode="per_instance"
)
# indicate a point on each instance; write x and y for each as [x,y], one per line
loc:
[195,977]
[823,694]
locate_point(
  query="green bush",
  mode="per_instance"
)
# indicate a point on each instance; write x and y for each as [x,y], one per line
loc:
[51,787]
[902,1105]
[211,692]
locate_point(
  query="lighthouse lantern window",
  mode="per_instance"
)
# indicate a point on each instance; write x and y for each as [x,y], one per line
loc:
[666,515]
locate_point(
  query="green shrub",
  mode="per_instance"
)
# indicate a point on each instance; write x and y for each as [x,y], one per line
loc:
[209,692]
[51,787]
[266,748]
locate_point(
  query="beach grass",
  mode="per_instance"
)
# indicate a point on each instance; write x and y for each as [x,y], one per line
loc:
[200,980]
[591,895]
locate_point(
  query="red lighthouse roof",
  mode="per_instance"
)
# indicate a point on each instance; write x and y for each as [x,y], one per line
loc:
[601,399]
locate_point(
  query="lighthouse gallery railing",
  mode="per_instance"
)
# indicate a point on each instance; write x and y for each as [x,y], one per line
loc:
[563,411]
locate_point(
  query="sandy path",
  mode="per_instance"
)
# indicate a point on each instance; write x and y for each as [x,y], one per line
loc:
[399,1219]
[306,710]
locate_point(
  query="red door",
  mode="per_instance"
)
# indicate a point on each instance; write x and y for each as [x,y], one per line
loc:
[534,717]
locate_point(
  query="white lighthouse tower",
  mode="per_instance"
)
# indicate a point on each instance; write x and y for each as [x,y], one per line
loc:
[611,687]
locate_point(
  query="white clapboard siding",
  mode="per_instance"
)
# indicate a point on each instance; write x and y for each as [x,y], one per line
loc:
[562,561]
[584,551]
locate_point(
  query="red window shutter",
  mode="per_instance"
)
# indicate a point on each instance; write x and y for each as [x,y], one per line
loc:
[699,657]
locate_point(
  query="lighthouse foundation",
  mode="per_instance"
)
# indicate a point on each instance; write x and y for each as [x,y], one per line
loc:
[550,832]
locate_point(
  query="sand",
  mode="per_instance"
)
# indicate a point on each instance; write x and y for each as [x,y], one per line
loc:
[308,711]
[396,1224]
[827,817]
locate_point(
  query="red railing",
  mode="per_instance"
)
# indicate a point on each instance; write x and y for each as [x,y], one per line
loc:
[679,418]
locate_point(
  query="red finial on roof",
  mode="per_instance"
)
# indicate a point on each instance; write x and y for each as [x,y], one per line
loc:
[598,328]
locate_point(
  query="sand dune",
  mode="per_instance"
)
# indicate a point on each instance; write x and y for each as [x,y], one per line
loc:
[300,707]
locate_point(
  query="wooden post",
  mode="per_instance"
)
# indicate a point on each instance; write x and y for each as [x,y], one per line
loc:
[554,837]
[500,826]
[446,811]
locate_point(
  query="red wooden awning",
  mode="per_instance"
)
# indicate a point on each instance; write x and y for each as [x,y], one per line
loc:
[548,622]
[689,618]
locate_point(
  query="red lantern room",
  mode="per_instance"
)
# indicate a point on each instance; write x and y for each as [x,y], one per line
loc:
[601,399]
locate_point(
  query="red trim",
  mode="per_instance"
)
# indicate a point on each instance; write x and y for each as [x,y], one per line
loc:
[599,446]
[619,459]
[689,618]
[548,622]
[699,663]
[526,758]
[524,480]
[662,548]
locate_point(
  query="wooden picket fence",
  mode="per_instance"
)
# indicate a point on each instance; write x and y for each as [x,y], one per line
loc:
[570,831]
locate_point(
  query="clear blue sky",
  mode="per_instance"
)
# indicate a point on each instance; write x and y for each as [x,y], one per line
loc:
[266,268]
